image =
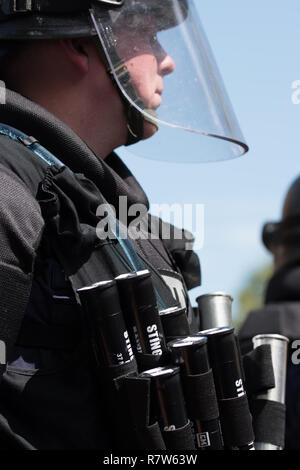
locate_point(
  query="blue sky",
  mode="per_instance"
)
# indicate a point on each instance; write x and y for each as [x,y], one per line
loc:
[257,47]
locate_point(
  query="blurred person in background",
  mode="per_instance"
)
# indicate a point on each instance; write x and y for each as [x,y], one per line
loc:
[281,312]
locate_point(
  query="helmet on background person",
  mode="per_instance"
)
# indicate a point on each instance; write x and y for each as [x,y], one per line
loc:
[191,96]
[282,238]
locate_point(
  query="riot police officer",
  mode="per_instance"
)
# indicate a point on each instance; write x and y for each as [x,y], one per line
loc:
[282,308]
[84,78]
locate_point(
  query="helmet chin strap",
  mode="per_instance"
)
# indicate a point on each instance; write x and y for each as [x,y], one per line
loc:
[121,76]
[135,123]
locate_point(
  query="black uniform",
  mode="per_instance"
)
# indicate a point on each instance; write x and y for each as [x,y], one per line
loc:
[49,248]
[281,315]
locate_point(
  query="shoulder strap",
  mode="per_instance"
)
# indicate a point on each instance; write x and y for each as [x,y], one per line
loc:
[31,143]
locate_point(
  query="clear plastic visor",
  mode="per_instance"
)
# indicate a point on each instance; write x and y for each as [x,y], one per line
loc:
[174,80]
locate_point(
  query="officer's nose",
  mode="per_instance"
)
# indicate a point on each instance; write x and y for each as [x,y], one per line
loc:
[166,65]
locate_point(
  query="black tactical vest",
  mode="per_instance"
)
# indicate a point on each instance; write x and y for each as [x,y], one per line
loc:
[49,396]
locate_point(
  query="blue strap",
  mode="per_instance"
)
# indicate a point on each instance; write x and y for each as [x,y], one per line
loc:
[31,143]
[120,234]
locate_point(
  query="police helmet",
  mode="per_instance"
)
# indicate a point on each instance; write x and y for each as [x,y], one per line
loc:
[193,97]
[287,230]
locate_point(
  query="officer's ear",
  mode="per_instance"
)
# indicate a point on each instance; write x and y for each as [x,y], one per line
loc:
[76,50]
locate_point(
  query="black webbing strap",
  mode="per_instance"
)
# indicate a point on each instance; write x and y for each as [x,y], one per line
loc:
[112,382]
[268,421]
[138,394]
[236,421]
[150,361]
[118,372]
[180,439]
[258,369]
[200,393]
